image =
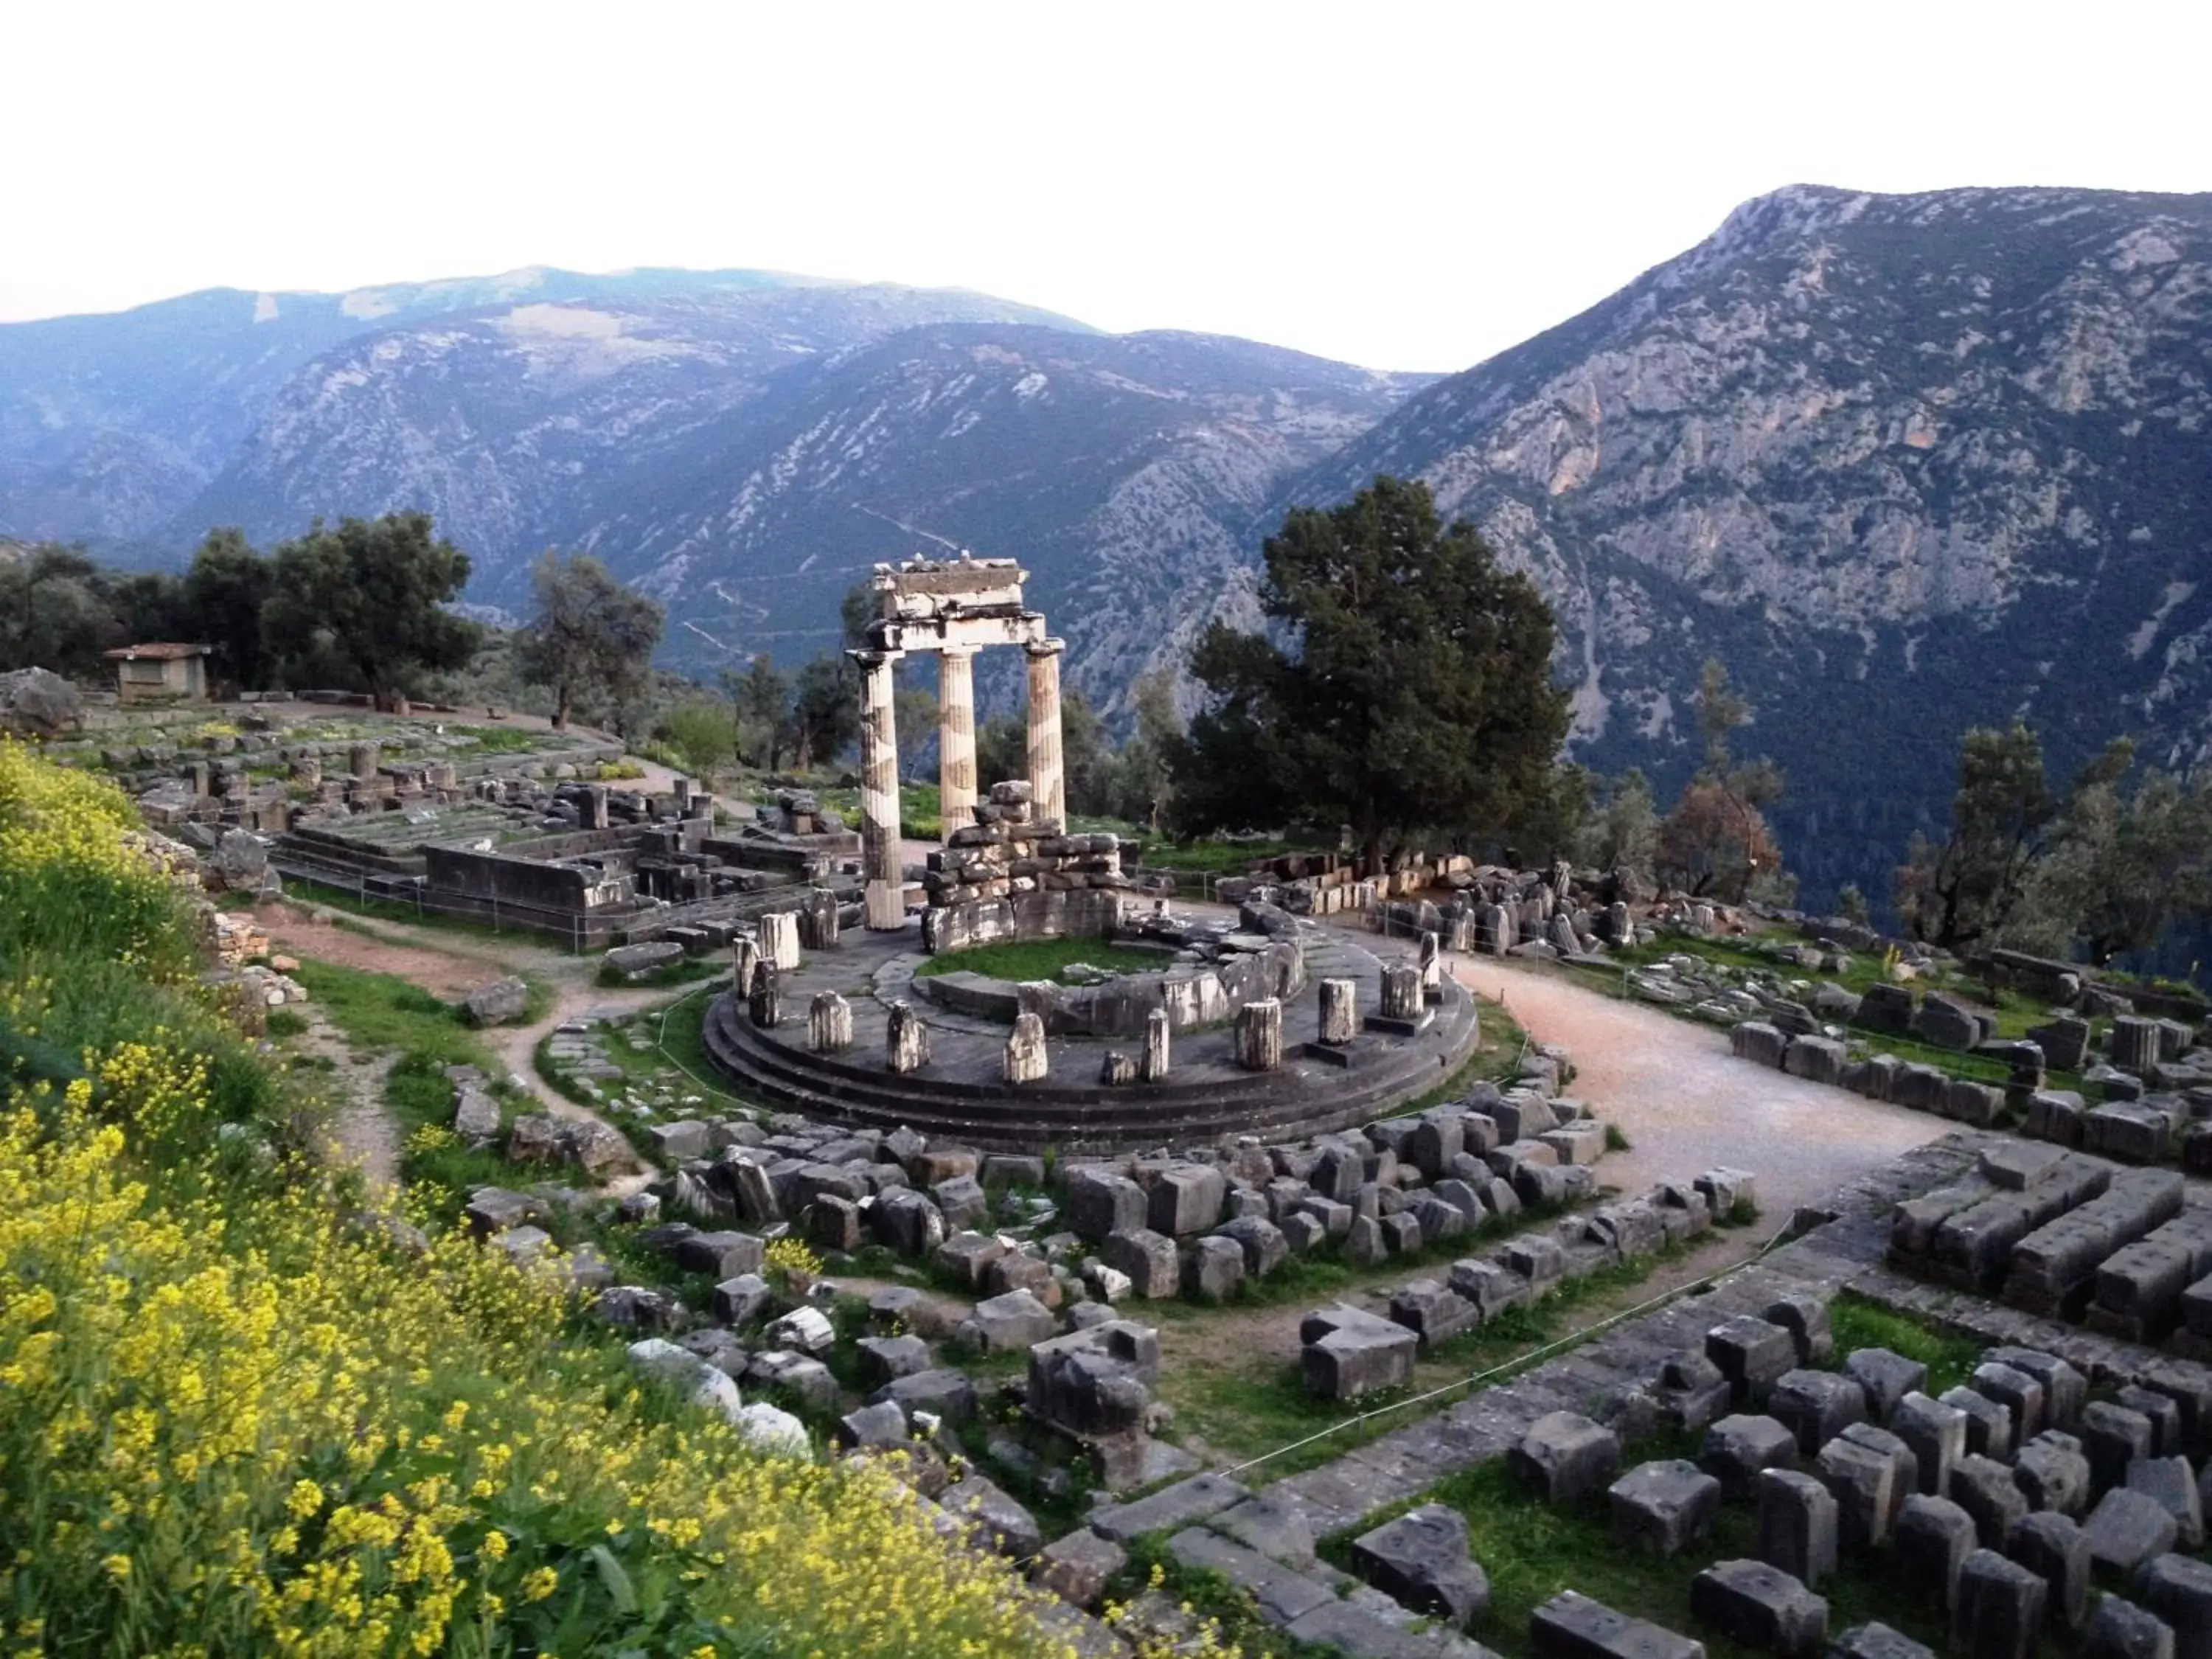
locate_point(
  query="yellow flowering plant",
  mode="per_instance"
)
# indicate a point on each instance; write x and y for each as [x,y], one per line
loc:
[234,1419]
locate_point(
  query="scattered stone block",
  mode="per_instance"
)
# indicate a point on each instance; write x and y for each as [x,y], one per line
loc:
[1015,1319]
[1761,1607]
[1797,1525]
[2055,1549]
[2162,1411]
[2020,1394]
[2065,1390]
[2112,1437]
[1864,1482]
[1985,1488]
[2169,1482]
[1936,1433]
[1564,1454]
[2053,1474]
[1212,1269]
[1667,1505]
[995,1516]
[1934,1537]
[1571,1626]
[1692,1394]
[2126,1529]
[1885,1378]
[1348,1352]
[1989,1424]
[1282,1594]
[1998,1614]
[1185,1503]
[1432,1312]
[1904,1465]
[1815,1406]
[1873,1640]
[2179,1591]
[1737,1449]
[1079,1567]
[1752,1354]
[2121,1630]
[1806,1318]
[1420,1560]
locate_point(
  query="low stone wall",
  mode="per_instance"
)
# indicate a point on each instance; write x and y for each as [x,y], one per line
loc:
[1192,996]
[1088,913]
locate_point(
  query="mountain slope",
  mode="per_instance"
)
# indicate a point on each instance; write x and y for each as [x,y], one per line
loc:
[112,426]
[1120,470]
[1905,463]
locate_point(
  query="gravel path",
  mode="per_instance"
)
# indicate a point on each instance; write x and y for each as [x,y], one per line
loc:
[1686,1103]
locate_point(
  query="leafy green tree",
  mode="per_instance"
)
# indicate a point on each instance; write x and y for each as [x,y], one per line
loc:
[224,591]
[1623,834]
[1411,692]
[825,713]
[591,639]
[2120,866]
[1967,889]
[376,592]
[702,733]
[1143,786]
[1716,842]
[760,699]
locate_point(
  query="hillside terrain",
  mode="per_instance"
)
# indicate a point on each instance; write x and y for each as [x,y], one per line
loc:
[1905,463]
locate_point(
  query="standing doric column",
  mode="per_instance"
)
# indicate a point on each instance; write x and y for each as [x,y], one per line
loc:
[1047,787]
[880,864]
[955,738]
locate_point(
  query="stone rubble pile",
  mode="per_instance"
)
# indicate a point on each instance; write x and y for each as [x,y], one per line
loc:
[1346,1353]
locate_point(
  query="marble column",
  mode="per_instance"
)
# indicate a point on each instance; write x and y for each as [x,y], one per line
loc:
[1047,787]
[881,866]
[955,738]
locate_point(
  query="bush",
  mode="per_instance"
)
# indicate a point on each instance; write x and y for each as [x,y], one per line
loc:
[244,1417]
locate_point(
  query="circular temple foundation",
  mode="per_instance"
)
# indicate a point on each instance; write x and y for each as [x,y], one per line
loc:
[961,1092]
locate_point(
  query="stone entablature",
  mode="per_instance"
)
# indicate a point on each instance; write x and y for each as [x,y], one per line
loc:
[953,608]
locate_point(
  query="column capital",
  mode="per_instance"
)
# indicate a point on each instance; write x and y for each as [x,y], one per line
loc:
[959,652]
[868,658]
[1045,648]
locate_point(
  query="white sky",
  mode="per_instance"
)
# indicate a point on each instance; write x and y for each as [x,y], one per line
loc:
[1408,186]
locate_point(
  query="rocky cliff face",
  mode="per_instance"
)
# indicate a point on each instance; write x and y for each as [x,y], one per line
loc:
[1905,463]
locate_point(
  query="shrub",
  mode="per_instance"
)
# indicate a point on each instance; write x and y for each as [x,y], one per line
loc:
[239,1416]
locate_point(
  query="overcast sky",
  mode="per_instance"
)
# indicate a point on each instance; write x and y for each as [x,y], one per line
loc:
[1404,187]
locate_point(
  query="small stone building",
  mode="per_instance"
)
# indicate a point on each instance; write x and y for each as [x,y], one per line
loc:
[159,672]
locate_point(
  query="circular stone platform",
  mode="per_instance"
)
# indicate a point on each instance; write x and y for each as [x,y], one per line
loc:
[961,1095]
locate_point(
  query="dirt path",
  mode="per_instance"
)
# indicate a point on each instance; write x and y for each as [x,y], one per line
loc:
[362,1131]
[1686,1103]
[448,969]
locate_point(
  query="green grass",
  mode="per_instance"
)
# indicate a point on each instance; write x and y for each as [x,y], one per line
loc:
[1209,1598]
[1861,1323]
[1532,1550]
[1046,959]
[1240,1414]
[2014,1012]
[688,971]
[382,1014]
[284,1022]
[1496,1054]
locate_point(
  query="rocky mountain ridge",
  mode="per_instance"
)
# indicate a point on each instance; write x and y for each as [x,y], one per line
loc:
[1905,463]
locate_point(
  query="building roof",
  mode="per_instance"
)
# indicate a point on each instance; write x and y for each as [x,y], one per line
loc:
[157,651]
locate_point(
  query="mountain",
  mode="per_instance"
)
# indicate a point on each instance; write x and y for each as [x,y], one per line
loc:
[1904,463]
[1123,471]
[138,430]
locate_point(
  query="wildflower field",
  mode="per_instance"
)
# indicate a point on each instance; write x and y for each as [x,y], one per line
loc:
[242,1410]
